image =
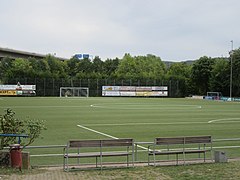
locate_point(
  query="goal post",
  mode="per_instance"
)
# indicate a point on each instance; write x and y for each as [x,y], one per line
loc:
[74,92]
[214,95]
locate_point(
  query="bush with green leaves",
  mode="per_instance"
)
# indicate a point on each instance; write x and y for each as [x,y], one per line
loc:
[9,124]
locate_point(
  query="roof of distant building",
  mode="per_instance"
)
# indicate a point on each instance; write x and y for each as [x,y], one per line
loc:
[12,53]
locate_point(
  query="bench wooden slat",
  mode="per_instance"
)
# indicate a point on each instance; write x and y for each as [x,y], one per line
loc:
[117,142]
[170,140]
[84,143]
[99,143]
[198,139]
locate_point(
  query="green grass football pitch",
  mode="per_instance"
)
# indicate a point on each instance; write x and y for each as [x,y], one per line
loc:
[142,119]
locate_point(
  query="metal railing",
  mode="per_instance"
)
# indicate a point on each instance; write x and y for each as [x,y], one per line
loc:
[140,145]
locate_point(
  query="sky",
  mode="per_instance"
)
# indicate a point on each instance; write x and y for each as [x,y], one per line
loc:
[174,30]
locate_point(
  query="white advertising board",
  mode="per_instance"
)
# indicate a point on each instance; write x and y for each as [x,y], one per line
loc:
[126,93]
[18,87]
[160,93]
[110,88]
[135,91]
[152,93]
[159,88]
[110,93]
[143,88]
[127,88]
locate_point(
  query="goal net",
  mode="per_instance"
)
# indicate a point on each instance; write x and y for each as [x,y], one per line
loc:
[74,92]
[214,95]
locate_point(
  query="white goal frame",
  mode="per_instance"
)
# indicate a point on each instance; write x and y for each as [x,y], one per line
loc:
[215,95]
[74,92]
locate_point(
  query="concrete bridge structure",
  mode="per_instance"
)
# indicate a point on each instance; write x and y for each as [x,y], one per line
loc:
[11,53]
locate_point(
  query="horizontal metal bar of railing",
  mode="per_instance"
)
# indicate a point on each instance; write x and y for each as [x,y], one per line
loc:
[230,139]
[136,143]
[45,146]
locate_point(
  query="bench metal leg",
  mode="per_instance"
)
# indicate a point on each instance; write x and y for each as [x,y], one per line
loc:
[148,159]
[211,155]
[154,159]
[136,152]
[133,160]
[101,162]
[64,163]
[177,158]
[96,161]
[184,156]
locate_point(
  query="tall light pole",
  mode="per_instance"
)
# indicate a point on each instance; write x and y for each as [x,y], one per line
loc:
[231,73]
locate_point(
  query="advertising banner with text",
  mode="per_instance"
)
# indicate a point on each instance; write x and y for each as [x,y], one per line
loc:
[139,91]
[8,93]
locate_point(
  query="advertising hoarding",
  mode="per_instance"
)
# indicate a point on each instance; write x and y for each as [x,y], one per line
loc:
[17,90]
[18,87]
[8,93]
[139,91]
[110,93]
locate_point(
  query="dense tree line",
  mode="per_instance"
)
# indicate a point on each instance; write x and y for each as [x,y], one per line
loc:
[203,75]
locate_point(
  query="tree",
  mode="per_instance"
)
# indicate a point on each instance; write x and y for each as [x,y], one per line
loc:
[98,67]
[151,67]
[201,74]
[22,68]
[73,64]
[110,66]
[84,69]
[5,67]
[97,64]
[40,67]
[181,72]
[140,67]
[9,124]
[219,80]
[236,73]
[58,68]
[127,68]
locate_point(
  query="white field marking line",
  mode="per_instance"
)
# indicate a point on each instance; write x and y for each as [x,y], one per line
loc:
[225,119]
[107,135]
[133,124]
[143,106]
[151,104]
[227,147]
[47,106]
[174,123]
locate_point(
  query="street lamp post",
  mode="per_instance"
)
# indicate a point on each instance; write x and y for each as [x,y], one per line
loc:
[231,73]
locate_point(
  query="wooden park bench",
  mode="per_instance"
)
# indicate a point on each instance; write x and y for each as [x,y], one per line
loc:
[180,146]
[98,149]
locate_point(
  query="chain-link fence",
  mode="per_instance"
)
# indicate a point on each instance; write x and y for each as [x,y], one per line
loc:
[51,86]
